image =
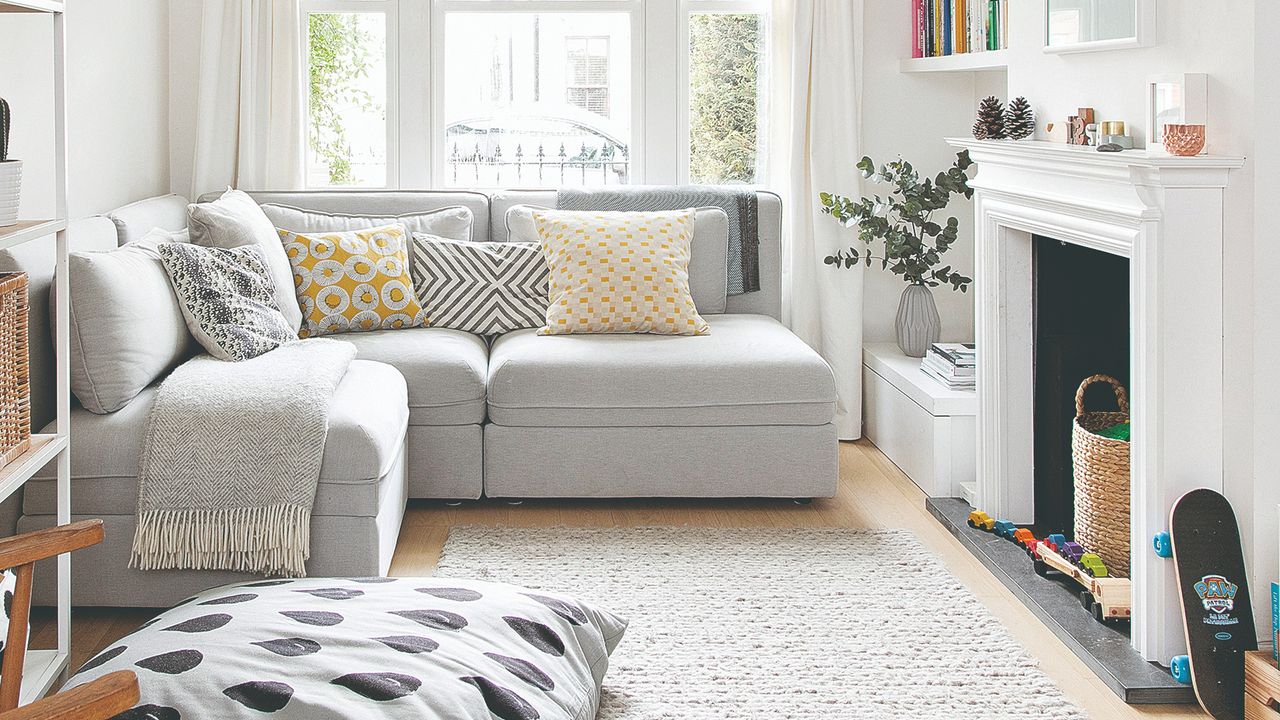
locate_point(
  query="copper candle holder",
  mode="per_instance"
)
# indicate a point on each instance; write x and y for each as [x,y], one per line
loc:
[1184,140]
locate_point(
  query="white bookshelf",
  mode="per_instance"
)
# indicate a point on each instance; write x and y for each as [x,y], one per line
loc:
[963,62]
[43,667]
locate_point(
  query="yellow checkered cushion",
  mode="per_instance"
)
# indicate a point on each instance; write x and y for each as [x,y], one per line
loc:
[352,281]
[619,272]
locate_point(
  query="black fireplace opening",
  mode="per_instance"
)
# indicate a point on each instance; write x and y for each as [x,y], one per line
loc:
[1081,328]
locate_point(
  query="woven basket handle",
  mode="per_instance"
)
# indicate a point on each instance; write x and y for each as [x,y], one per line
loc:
[1122,397]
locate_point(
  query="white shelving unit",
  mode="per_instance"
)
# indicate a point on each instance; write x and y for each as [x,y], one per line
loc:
[926,429]
[43,667]
[964,62]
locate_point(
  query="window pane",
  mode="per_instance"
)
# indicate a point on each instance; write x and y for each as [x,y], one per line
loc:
[537,99]
[726,71]
[347,104]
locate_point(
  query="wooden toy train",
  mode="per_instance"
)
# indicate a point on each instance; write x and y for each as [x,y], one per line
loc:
[1107,598]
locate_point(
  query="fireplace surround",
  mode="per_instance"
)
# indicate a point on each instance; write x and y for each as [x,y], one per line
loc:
[1165,215]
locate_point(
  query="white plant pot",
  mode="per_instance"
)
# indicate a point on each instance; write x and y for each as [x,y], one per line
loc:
[10,191]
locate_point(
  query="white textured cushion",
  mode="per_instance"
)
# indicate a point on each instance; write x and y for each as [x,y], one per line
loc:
[708,265]
[451,222]
[486,288]
[235,220]
[127,330]
[226,297]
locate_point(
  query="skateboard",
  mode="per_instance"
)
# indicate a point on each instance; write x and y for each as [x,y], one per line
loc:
[1217,615]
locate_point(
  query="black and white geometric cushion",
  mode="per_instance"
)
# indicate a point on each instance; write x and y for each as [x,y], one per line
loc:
[227,297]
[486,288]
[333,649]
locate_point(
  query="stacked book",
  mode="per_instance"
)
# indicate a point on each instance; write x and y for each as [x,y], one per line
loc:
[952,27]
[952,364]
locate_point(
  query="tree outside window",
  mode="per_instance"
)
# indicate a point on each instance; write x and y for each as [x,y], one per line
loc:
[725,55]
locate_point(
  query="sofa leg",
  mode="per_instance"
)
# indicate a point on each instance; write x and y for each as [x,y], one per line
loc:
[802,501]
[453,503]
[514,502]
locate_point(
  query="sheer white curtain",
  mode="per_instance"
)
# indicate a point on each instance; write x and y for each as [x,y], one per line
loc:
[816,104]
[250,108]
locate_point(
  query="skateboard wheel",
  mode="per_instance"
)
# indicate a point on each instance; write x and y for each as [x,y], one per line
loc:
[1163,544]
[1180,668]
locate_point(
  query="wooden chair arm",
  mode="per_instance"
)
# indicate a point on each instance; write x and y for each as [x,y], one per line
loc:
[101,699]
[29,547]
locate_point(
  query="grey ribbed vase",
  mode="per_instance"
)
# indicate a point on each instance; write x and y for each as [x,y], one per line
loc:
[918,323]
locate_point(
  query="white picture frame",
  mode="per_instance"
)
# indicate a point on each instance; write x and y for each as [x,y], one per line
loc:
[1058,37]
[1177,99]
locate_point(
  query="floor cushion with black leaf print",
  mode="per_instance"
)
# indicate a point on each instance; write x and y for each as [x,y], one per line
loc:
[322,649]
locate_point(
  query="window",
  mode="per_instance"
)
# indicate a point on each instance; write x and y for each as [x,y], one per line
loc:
[527,98]
[534,93]
[726,61]
[347,99]
[587,85]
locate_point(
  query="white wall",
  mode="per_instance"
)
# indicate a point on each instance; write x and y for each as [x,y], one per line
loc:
[118,90]
[909,115]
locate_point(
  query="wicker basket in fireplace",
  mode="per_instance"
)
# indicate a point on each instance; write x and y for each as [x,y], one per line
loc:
[1101,468]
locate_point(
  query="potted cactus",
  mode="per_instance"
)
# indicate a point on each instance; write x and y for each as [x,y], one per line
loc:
[10,172]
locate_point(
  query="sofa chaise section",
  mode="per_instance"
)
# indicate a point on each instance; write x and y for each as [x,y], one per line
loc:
[356,519]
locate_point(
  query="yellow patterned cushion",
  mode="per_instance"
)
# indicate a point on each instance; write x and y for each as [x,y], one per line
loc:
[619,272]
[352,281]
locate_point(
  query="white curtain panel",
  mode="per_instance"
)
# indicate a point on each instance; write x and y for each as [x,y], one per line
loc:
[817,99]
[250,111]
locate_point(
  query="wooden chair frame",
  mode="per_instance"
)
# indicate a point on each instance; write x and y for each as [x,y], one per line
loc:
[20,553]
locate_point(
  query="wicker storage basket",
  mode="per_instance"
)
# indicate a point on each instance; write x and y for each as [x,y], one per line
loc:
[15,389]
[1101,468]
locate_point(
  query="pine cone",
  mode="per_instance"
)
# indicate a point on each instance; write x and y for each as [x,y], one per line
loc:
[990,124]
[1019,121]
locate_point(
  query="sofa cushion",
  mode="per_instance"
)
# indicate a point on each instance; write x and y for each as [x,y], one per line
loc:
[135,220]
[227,299]
[353,281]
[708,259]
[367,425]
[450,222]
[445,370]
[235,220]
[750,370]
[127,329]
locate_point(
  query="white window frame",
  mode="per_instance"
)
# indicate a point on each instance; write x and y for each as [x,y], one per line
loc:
[416,142]
[390,9]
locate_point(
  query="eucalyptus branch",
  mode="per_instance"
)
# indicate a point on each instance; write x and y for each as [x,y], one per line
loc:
[913,243]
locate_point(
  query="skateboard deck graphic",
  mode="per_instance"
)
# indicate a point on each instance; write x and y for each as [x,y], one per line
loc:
[1216,612]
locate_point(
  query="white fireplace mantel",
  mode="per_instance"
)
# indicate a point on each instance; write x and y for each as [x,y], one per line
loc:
[1165,214]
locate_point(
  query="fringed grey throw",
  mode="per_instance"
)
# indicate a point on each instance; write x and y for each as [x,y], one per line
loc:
[231,459]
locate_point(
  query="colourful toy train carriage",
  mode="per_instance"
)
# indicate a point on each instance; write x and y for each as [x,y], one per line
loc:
[1004,529]
[979,520]
[1022,536]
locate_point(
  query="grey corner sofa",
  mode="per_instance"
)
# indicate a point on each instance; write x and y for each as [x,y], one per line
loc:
[745,411]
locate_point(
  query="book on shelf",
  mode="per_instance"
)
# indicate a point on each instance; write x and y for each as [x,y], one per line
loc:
[947,369]
[1275,623]
[957,354]
[917,25]
[956,27]
[952,364]
[951,383]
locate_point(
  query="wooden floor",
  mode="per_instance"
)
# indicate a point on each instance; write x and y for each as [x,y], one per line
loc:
[873,494]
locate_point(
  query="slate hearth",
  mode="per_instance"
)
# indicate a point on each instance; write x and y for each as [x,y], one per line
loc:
[1105,649]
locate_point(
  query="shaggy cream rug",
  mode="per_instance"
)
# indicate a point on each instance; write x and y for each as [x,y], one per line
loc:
[766,624]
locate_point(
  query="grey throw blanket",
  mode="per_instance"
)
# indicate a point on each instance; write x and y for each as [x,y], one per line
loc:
[740,204]
[231,459]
